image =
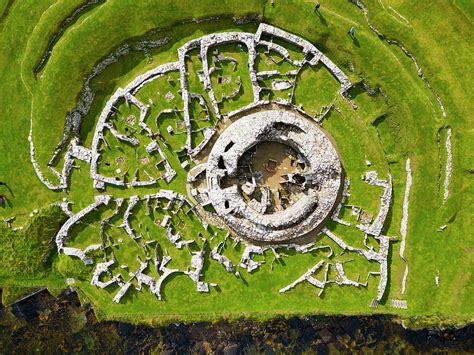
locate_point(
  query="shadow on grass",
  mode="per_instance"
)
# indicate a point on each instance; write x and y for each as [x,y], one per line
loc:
[355,41]
[7,186]
[322,19]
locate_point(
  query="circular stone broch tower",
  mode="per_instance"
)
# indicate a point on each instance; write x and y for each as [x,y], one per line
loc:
[308,193]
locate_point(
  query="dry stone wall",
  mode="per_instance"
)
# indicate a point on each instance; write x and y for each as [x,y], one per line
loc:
[324,190]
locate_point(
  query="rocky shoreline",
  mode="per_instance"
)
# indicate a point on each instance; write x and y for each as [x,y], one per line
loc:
[46,324]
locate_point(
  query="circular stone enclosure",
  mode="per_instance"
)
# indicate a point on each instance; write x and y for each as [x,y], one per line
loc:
[246,211]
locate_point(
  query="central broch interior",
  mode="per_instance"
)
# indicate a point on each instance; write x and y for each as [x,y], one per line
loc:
[249,210]
[266,166]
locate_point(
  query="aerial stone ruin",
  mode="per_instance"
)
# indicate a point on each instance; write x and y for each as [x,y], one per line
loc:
[314,194]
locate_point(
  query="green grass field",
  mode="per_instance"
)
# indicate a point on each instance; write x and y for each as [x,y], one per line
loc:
[401,121]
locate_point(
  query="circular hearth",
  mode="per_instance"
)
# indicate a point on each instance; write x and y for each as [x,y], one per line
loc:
[307,193]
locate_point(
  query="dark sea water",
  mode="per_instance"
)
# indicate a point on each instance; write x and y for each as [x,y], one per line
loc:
[46,325]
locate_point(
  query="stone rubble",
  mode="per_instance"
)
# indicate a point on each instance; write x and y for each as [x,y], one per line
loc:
[386,199]
[246,260]
[449,164]
[345,195]
[341,278]
[404,280]
[381,257]
[197,259]
[308,49]
[324,170]
[221,259]
[203,44]
[404,222]
[307,276]
[103,268]
[401,304]
[170,172]
[63,234]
